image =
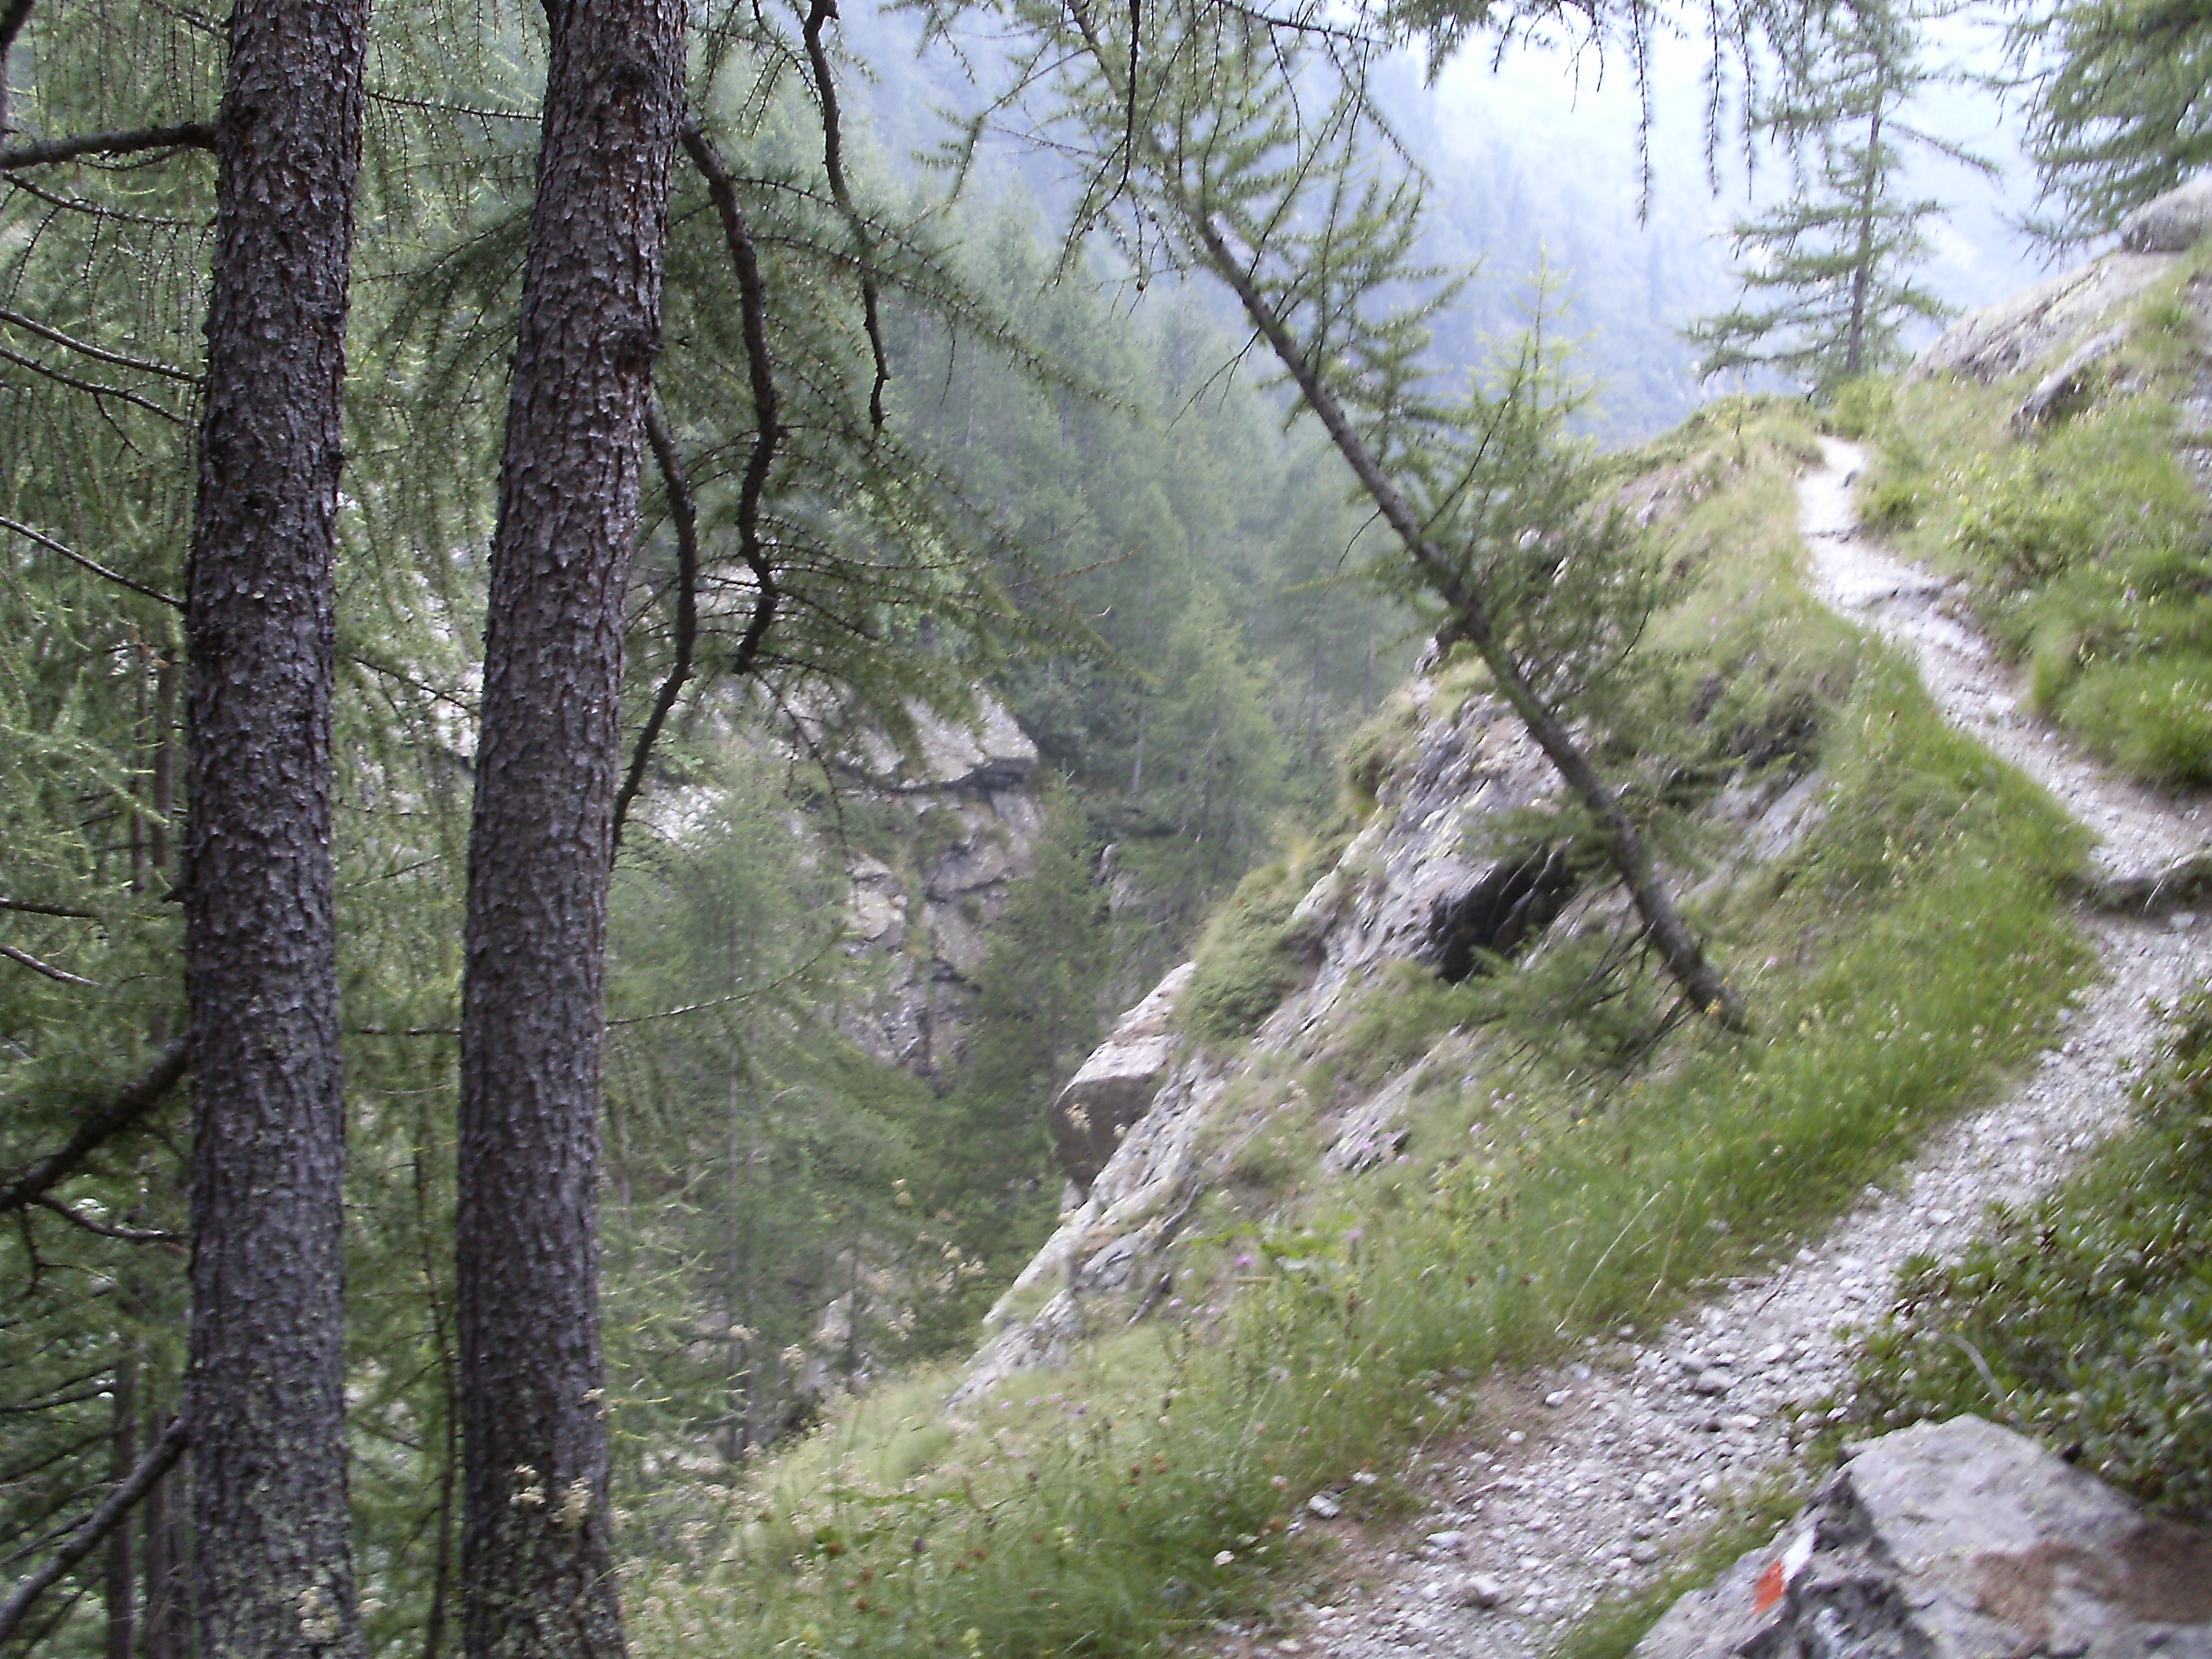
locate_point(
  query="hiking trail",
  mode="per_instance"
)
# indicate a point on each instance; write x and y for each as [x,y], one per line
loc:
[1616,1462]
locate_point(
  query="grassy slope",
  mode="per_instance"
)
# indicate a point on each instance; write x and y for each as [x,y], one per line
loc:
[2086,542]
[2084,1319]
[1899,959]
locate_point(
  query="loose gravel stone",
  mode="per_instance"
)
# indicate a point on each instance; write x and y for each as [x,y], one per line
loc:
[1631,1456]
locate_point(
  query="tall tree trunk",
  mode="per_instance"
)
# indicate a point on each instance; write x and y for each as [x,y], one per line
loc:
[536,1576]
[1679,949]
[1863,256]
[264,1393]
[164,1631]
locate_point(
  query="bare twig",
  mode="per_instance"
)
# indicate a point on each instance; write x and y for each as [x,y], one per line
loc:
[136,1099]
[833,163]
[767,427]
[62,975]
[92,565]
[107,1229]
[98,354]
[31,908]
[160,1458]
[93,387]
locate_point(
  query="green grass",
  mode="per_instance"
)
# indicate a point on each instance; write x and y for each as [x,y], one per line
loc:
[2084,1320]
[1244,964]
[2088,542]
[1909,952]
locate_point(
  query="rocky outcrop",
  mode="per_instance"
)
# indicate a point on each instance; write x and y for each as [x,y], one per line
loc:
[1109,1237]
[1956,1540]
[2175,223]
[2066,386]
[2019,332]
[918,920]
[1142,1129]
[1115,1086]
[1421,882]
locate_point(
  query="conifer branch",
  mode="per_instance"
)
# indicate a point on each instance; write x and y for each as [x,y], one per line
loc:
[92,565]
[107,1229]
[682,512]
[92,387]
[60,975]
[45,152]
[135,1100]
[98,354]
[31,907]
[833,163]
[768,429]
[160,1458]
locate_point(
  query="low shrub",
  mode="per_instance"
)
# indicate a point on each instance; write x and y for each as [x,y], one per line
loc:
[1862,408]
[1244,965]
[2151,716]
[2084,1320]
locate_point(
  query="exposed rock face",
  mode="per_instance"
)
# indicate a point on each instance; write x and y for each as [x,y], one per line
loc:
[2065,385]
[2021,331]
[1148,1126]
[2172,224]
[1116,1085]
[1957,1540]
[1415,883]
[925,923]
[1135,1127]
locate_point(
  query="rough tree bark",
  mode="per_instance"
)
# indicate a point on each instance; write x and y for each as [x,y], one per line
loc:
[536,1570]
[264,1387]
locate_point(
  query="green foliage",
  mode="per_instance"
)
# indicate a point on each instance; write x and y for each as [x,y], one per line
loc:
[2085,1319]
[2117,105]
[1827,272]
[2091,551]
[1245,966]
[1126,1502]
[1861,407]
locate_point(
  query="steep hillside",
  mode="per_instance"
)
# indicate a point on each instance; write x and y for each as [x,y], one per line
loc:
[1426,1279]
[1419,1108]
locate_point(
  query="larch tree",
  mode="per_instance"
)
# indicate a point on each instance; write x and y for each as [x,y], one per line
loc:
[1245,145]
[1827,272]
[2118,100]
[264,1398]
[537,1567]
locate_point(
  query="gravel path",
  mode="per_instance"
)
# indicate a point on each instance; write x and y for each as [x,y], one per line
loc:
[1619,1459]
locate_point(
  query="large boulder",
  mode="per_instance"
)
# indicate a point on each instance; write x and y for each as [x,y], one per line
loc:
[1115,1086]
[2172,224]
[1957,1540]
[2026,329]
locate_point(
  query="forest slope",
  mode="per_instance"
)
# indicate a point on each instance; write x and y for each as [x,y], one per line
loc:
[1405,1146]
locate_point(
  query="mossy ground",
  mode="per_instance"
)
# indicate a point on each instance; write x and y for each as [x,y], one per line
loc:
[1901,959]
